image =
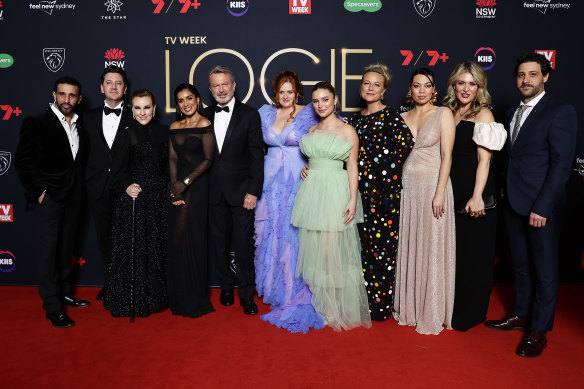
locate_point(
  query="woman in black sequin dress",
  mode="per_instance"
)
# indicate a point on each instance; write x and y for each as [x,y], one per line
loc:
[385,141]
[139,232]
[191,148]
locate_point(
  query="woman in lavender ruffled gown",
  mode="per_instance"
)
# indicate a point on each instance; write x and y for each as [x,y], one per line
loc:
[283,125]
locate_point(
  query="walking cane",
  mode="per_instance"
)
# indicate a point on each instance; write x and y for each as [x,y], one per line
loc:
[132,286]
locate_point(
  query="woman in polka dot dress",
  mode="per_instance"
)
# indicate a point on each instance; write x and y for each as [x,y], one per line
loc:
[385,141]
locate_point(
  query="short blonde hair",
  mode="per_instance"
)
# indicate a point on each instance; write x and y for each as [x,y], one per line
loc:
[381,69]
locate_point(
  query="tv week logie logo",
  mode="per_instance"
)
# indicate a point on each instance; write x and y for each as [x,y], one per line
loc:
[6,213]
[300,7]
[550,55]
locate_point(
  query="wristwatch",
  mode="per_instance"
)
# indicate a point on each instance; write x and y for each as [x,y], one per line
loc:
[187,181]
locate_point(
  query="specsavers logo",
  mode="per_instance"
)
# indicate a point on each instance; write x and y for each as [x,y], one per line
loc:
[362,5]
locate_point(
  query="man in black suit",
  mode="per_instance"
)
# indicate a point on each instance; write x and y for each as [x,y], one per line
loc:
[540,146]
[49,161]
[107,161]
[236,180]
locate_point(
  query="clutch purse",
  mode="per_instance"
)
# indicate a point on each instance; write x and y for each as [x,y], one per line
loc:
[489,200]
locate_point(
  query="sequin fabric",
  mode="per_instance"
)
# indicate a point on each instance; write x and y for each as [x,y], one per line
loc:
[384,143]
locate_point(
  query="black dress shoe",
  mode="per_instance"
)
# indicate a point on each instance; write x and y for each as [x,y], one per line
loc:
[72,302]
[226,297]
[99,296]
[532,344]
[60,320]
[508,323]
[249,307]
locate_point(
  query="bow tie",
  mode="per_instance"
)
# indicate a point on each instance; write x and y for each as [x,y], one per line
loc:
[219,109]
[107,110]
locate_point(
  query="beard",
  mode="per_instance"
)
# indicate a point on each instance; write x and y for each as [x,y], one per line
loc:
[65,109]
[225,98]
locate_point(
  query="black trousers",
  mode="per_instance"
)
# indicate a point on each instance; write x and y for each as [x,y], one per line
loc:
[102,211]
[232,227]
[534,256]
[57,223]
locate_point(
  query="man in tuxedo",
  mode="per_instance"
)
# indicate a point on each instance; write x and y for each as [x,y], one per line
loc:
[107,161]
[49,161]
[236,179]
[540,146]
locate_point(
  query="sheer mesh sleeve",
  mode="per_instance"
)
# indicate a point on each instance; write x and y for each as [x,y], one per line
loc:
[208,141]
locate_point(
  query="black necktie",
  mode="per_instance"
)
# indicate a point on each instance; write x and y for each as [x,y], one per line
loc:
[219,109]
[107,110]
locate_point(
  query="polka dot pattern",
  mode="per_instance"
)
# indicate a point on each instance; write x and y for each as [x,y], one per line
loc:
[384,143]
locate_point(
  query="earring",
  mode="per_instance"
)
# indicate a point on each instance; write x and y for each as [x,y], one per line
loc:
[153,114]
[434,97]
[409,99]
[133,116]
[382,96]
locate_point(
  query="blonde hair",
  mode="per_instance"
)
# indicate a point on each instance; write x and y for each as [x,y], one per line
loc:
[381,69]
[482,99]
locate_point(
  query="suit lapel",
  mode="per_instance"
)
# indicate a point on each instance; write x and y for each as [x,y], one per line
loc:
[232,122]
[211,116]
[125,121]
[63,138]
[99,121]
[536,111]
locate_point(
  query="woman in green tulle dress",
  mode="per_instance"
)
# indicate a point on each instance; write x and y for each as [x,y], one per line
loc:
[326,211]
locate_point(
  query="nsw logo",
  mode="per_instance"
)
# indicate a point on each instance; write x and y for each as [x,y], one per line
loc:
[6,213]
[486,9]
[361,5]
[485,57]
[114,57]
[54,58]
[300,7]
[7,261]
[238,7]
[424,7]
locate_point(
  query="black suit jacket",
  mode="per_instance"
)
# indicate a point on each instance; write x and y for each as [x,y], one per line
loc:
[239,167]
[107,169]
[43,158]
[540,160]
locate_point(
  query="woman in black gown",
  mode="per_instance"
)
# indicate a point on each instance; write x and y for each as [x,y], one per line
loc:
[135,279]
[191,149]
[477,135]
[385,142]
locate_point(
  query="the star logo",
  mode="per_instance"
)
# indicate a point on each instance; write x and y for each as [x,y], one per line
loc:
[113,5]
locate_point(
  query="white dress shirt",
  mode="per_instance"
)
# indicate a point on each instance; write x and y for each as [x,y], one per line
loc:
[110,124]
[221,122]
[70,130]
[526,112]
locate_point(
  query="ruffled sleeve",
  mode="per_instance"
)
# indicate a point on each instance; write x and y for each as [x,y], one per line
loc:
[268,115]
[489,135]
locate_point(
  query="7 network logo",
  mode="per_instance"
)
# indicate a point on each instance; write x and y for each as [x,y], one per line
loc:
[434,55]
[9,111]
[186,5]
[300,7]
[1,11]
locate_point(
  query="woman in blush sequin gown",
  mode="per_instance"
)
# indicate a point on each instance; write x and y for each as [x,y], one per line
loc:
[424,294]
[139,224]
[385,142]
[283,125]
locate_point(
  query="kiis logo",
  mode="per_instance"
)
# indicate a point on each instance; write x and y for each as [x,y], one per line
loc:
[186,4]
[237,8]
[485,57]
[300,7]
[5,159]
[485,9]
[7,261]
[550,56]
[6,213]
[54,58]
[114,57]
[9,111]
[47,6]
[433,54]
[424,7]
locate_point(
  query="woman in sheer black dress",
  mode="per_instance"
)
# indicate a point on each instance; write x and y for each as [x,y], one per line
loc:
[135,278]
[191,148]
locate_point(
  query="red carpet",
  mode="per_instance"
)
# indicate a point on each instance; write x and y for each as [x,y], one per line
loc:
[229,350]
